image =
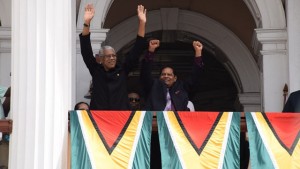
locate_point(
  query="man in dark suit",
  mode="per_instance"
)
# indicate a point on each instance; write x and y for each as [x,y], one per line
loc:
[293,102]
[167,92]
[109,79]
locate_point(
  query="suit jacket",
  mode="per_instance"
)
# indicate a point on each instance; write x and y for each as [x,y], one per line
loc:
[110,87]
[293,103]
[156,90]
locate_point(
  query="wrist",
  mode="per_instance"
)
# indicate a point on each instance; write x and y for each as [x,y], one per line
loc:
[198,54]
[142,22]
[87,21]
[85,24]
[151,50]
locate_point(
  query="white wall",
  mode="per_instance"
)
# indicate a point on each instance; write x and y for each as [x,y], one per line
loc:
[5,56]
[5,13]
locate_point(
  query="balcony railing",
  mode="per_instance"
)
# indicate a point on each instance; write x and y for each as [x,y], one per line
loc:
[6,126]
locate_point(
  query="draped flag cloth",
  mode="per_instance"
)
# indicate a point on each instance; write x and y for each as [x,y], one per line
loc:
[110,139]
[274,140]
[199,139]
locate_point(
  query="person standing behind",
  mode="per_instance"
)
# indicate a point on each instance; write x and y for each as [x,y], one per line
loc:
[82,106]
[109,79]
[134,101]
[293,102]
[168,93]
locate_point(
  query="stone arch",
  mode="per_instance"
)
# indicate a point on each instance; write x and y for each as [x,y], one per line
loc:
[267,14]
[102,7]
[242,66]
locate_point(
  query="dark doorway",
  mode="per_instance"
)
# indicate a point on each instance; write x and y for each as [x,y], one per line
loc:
[216,92]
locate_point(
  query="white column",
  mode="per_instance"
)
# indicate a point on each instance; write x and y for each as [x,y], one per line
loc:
[41,83]
[293,22]
[271,44]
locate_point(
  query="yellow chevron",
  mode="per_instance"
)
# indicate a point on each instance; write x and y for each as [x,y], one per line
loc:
[99,156]
[281,156]
[210,156]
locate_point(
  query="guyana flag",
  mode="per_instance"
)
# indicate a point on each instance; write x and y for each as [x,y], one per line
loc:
[199,139]
[274,140]
[110,139]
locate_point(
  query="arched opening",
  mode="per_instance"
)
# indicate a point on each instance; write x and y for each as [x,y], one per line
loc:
[216,91]
[235,58]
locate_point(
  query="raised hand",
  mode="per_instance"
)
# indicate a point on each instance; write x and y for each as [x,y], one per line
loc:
[153,44]
[141,12]
[198,48]
[89,12]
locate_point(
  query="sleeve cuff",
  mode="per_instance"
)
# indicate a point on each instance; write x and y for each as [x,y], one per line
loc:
[199,62]
[88,35]
[149,56]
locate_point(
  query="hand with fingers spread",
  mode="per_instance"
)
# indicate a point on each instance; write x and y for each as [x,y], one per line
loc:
[89,12]
[153,44]
[198,48]
[141,12]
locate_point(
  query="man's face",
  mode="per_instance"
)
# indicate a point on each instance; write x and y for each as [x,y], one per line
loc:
[167,76]
[134,100]
[109,59]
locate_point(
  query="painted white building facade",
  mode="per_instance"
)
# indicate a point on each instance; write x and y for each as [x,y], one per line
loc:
[48,73]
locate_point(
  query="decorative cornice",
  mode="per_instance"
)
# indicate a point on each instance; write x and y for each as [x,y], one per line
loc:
[5,40]
[97,38]
[269,41]
[250,98]
[251,102]
[5,33]
[5,50]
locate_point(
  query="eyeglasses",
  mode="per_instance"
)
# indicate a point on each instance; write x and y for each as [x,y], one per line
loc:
[110,56]
[131,99]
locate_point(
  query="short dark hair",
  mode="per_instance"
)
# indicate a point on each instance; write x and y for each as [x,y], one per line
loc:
[79,103]
[168,66]
[134,91]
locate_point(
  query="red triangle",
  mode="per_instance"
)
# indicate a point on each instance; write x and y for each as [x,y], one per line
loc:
[111,125]
[286,126]
[198,125]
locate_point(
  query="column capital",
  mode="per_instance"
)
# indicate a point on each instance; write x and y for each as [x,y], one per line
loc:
[98,36]
[250,101]
[5,40]
[269,41]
